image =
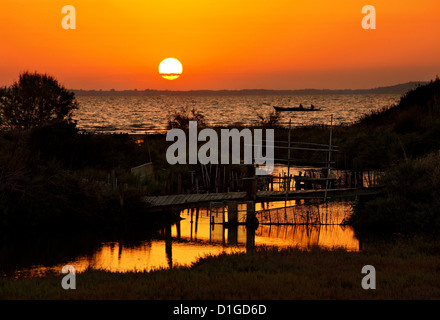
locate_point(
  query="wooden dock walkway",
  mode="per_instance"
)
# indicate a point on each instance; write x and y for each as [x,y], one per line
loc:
[179,199]
[183,199]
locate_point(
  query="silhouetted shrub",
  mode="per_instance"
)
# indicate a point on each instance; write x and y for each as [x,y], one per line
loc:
[35,99]
[410,203]
[181,118]
[270,121]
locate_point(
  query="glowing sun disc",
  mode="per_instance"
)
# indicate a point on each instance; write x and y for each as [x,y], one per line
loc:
[170,69]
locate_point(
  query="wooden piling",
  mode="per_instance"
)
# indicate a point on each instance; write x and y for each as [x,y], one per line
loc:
[232,212]
[288,170]
[251,219]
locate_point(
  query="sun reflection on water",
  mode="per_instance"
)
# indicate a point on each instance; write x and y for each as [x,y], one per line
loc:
[194,237]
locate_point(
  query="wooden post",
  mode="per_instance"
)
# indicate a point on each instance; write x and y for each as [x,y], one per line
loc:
[319,216]
[250,229]
[169,245]
[191,210]
[210,223]
[223,234]
[251,183]
[179,232]
[250,212]
[233,235]
[288,170]
[197,220]
[232,213]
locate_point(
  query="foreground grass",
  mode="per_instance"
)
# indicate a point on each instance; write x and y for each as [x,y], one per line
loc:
[404,271]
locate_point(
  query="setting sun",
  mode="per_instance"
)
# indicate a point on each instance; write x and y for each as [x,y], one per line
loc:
[170,69]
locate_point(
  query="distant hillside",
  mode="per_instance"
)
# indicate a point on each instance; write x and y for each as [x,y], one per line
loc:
[396,89]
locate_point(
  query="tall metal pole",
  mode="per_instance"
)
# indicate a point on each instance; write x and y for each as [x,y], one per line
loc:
[329,158]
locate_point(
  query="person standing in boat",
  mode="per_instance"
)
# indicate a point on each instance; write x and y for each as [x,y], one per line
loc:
[301,106]
[312,107]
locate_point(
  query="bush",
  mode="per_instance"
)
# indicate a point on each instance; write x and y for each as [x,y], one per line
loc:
[181,118]
[52,177]
[410,203]
[35,100]
[270,121]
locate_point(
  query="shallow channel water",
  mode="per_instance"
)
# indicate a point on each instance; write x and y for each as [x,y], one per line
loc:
[182,243]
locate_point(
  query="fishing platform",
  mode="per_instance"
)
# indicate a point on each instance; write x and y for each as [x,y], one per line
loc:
[191,199]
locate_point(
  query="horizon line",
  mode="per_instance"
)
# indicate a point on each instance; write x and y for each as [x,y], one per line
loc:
[255,89]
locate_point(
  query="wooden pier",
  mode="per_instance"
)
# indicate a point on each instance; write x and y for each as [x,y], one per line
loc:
[223,184]
[191,199]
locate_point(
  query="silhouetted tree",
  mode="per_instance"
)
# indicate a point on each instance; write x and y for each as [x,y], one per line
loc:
[34,100]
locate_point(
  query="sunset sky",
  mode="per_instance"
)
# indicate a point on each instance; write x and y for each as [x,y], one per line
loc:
[228,44]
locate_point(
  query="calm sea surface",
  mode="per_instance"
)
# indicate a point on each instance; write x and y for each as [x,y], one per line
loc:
[133,114]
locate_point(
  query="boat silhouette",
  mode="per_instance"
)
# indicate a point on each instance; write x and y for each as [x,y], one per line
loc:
[300,108]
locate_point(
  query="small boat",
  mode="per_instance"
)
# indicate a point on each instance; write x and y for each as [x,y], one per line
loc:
[300,108]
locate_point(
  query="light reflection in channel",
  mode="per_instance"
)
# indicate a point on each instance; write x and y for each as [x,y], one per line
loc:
[195,237]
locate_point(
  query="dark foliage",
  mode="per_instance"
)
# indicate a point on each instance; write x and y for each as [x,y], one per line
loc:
[408,129]
[34,100]
[270,121]
[410,202]
[54,177]
[181,118]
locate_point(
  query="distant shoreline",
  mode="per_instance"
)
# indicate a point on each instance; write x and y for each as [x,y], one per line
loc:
[395,89]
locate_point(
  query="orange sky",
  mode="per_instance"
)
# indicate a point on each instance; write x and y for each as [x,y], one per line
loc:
[228,44]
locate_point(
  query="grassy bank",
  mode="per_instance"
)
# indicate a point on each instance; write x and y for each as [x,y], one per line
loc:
[409,202]
[405,270]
